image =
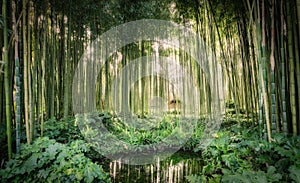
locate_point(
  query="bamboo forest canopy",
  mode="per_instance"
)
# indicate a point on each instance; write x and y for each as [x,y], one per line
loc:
[252,46]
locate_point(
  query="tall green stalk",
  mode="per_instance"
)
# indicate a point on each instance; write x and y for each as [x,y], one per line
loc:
[42,76]
[298,13]
[297,69]
[283,79]
[291,69]
[52,67]
[272,62]
[25,74]
[17,80]
[258,36]
[264,73]
[7,80]
[67,70]
[231,82]
[33,76]
[30,62]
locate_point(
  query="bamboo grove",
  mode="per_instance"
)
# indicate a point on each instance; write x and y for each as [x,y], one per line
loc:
[256,43]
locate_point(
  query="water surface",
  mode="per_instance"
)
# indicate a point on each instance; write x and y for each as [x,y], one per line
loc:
[172,170]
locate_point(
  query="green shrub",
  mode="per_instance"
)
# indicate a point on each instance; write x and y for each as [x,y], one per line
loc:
[49,161]
[62,131]
[253,177]
[236,154]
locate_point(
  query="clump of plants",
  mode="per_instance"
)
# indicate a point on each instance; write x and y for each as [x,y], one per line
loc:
[168,130]
[62,131]
[238,154]
[49,161]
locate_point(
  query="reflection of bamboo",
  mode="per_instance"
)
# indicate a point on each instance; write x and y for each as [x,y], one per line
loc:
[128,170]
[181,170]
[152,173]
[165,172]
[139,173]
[175,174]
[158,170]
[120,164]
[114,169]
[170,170]
[110,168]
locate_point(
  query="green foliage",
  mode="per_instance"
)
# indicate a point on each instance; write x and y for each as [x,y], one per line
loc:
[237,155]
[144,131]
[234,155]
[129,132]
[251,176]
[295,174]
[49,161]
[231,117]
[3,142]
[62,131]
[196,178]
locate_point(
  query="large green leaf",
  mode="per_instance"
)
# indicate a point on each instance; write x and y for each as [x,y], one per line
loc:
[295,174]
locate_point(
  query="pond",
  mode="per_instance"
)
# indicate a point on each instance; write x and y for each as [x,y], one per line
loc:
[173,169]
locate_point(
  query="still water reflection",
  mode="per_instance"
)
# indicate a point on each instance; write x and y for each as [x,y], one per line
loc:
[172,170]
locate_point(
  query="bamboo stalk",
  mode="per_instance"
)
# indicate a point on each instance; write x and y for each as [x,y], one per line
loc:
[67,69]
[259,57]
[283,79]
[30,62]
[7,79]
[272,62]
[263,75]
[291,69]
[297,61]
[17,80]
[25,74]
[42,76]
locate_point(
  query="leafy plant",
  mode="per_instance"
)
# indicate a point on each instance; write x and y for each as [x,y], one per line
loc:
[49,161]
[196,178]
[249,176]
[236,154]
[62,131]
[295,174]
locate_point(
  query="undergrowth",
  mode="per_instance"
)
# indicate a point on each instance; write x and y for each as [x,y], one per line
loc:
[237,152]
[49,161]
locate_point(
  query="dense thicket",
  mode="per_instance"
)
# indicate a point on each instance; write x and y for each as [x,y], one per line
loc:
[256,42]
